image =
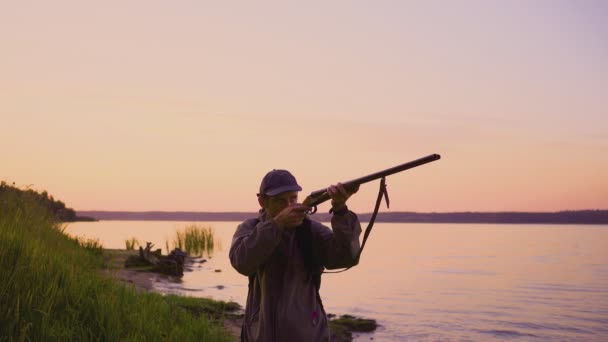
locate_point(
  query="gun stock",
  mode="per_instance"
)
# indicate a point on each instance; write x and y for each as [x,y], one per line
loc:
[317,197]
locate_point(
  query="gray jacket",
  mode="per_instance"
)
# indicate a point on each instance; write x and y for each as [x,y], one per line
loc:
[282,304]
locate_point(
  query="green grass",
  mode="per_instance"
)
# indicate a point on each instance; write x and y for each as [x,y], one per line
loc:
[131,243]
[195,240]
[51,289]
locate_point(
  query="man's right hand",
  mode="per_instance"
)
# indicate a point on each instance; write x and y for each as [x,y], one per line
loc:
[292,216]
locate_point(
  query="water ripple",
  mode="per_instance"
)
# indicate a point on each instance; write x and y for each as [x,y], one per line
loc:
[565,288]
[547,326]
[505,333]
[464,272]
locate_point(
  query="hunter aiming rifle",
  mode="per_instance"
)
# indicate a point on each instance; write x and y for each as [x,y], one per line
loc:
[317,197]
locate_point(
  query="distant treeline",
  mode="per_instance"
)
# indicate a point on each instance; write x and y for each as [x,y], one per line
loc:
[56,207]
[560,217]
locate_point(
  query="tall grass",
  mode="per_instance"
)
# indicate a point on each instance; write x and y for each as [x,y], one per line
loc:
[131,243]
[51,289]
[195,240]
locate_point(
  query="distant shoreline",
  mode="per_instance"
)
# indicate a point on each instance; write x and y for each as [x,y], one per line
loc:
[559,217]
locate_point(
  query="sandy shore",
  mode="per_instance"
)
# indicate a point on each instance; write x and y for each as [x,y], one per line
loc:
[150,281]
[146,281]
[115,261]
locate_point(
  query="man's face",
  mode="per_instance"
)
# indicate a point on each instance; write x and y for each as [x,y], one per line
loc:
[275,204]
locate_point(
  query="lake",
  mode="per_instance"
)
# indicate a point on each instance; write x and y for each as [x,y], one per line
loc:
[430,282]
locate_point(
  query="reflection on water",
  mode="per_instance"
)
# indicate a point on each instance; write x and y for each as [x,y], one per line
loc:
[429,282]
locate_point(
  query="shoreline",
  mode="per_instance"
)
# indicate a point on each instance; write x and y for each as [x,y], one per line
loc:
[343,328]
[114,261]
[145,281]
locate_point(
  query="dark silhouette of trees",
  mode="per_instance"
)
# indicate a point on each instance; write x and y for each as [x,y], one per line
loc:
[55,207]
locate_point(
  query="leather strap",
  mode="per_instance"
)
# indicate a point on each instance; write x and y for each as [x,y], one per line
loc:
[382,192]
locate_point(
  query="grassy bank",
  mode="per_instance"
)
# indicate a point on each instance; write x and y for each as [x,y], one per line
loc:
[50,289]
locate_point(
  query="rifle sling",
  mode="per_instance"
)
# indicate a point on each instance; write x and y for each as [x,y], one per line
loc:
[382,192]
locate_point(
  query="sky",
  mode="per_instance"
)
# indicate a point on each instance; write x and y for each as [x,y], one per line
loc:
[185,105]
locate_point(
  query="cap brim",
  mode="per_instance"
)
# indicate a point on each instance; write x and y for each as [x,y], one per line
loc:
[283,189]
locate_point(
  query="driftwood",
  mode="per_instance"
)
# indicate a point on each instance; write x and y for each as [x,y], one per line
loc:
[172,264]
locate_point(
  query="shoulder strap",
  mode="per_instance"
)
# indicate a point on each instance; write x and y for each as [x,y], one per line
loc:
[312,262]
[381,193]
[251,277]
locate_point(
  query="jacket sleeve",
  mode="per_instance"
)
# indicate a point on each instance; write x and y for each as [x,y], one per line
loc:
[339,245]
[252,244]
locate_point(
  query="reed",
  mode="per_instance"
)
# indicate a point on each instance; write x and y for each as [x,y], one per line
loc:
[131,243]
[195,240]
[51,289]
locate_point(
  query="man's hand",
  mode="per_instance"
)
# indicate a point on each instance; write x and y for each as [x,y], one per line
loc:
[339,195]
[292,216]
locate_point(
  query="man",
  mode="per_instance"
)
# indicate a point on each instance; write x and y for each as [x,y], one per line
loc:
[283,253]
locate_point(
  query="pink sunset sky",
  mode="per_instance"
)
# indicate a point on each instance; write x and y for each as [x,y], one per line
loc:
[185,105]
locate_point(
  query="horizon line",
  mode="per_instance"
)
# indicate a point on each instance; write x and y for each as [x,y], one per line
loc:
[362,213]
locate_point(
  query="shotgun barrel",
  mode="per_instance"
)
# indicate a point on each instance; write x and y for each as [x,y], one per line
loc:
[317,197]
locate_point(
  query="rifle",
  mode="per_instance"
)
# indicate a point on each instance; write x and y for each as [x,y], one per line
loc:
[317,197]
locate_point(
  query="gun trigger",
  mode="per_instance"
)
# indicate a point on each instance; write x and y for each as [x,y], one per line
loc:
[314,209]
[384,191]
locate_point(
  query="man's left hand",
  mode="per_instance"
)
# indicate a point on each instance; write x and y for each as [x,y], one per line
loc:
[339,195]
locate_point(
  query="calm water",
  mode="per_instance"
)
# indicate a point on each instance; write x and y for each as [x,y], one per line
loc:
[430,282]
